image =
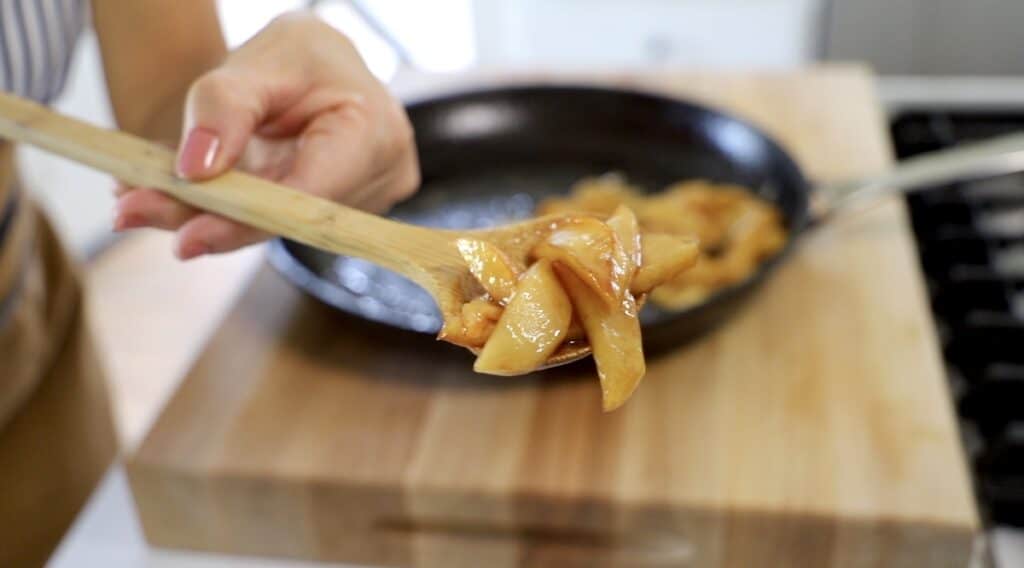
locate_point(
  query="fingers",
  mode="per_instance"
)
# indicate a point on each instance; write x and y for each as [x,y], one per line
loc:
[198,233]
[295,104]
[221,111]
[207,233]
[150,208]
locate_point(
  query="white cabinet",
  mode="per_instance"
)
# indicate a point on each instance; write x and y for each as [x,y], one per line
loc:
[721,33]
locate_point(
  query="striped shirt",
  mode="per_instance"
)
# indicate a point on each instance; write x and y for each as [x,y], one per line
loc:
[37,38]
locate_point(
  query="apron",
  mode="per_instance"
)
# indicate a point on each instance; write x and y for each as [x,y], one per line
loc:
[56,433]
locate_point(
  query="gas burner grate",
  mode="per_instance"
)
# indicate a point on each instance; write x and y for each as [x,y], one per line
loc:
[971,242]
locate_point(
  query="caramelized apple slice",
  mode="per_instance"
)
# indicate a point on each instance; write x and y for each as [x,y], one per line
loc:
[575,330]
[590,249]
[664,257]
[475,324]
[672,297]
[491,267]
[532,326]
[614,336]
[597,196]
[624,224]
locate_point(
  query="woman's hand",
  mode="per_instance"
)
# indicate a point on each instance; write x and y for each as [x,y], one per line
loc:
[296,105]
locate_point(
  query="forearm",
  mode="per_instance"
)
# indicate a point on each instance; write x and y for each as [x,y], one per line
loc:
[160,120]
[152,52]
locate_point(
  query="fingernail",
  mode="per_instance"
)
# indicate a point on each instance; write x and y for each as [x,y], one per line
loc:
[123,222]
[192,250]
[198,152]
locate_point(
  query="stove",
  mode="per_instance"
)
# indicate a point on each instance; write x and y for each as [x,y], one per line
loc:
[971,243]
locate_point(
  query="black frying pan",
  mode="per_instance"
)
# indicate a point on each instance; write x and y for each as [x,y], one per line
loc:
[489,156]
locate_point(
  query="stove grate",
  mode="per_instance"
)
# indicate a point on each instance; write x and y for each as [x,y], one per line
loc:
[971,242]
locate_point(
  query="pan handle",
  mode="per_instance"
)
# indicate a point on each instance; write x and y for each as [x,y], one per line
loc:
[993,157]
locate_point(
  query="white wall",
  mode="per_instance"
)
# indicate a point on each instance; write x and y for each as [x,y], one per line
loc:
[694,33]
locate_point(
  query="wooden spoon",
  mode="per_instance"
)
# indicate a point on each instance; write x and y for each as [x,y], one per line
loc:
[424,255]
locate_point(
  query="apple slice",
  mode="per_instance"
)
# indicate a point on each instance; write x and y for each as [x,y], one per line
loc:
[664,258]
[614,336]
[475,324]
[598,196]
[624,224]
[575,330]
[491,267]
[531,328]
[673,297]
[591,250]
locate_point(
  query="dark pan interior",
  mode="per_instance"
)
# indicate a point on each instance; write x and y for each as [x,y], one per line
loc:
[487,157]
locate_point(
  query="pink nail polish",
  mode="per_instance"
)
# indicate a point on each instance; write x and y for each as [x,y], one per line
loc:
[124,222]
[198,152]
[192,250]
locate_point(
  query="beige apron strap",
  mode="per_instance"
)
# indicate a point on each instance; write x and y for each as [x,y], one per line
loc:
[39,294]
[53,452]
[16,232]
[56,433]
[16,245]
[6,169]
[21,335]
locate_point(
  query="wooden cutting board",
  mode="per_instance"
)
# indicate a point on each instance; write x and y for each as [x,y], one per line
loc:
[814,429]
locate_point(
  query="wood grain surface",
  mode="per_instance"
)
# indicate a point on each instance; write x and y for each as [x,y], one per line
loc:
[814,429]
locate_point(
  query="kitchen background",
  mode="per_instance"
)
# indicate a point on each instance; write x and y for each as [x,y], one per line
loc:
[944,56]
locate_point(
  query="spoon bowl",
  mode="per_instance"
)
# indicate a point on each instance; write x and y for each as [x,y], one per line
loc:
[434,263]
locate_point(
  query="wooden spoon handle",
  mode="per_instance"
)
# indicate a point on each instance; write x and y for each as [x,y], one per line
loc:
[271,207]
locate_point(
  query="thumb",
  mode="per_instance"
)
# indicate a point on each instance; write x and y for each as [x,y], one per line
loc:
[221,112]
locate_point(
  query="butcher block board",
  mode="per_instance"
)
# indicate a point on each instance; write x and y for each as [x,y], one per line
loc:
[814,429]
